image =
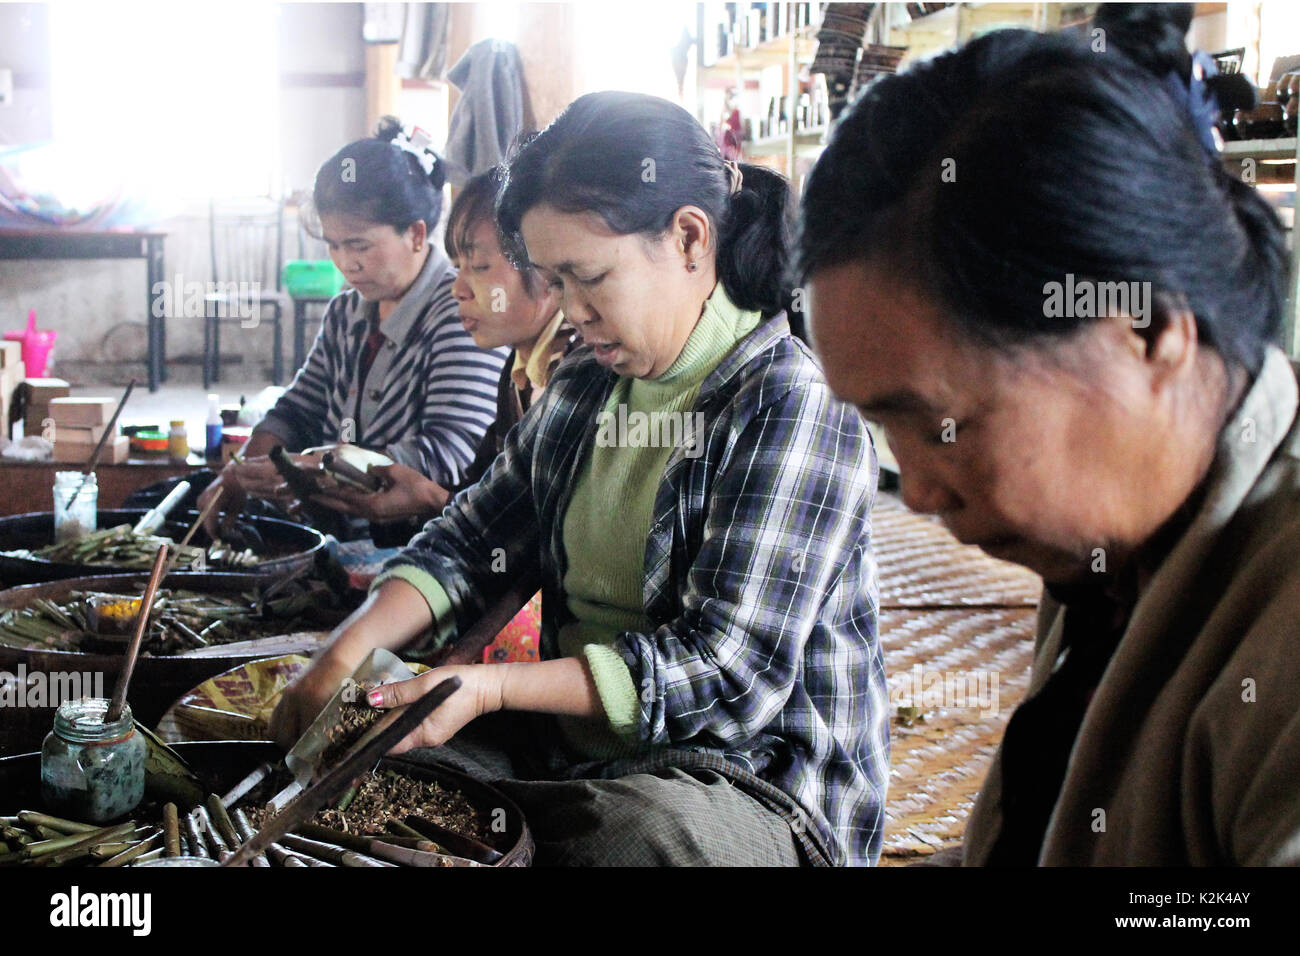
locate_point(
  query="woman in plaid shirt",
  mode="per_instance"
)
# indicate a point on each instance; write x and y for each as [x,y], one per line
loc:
[695,507]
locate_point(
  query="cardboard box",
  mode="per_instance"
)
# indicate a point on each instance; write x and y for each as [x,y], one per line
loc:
[40,391]
[82,411]
[116,450]
[79,434]
[11,353]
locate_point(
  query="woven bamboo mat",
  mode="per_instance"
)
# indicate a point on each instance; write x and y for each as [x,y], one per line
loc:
[957,632]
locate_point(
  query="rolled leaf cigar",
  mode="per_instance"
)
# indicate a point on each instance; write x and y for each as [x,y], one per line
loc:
[246,832]
[106,851]
[401,829]
[362,844]
[216,845]
[350,474]
[459,844]
[31,817]
[151,855]
[171,831]
[332,854]
[283,857]
[133,853]
[405,856]
[15,836]
[195,844]
[54,852]
[224,825]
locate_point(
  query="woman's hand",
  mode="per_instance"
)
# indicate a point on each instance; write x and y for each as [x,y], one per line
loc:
[390,617]
[304,699]
[480,692]
[406,494]
[232,503]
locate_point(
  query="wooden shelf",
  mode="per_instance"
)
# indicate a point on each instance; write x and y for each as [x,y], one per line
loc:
[1261,148]
[776,145]
[774,52]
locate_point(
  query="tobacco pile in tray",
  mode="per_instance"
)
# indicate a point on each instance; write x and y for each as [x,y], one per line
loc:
[181,620]
[389,797]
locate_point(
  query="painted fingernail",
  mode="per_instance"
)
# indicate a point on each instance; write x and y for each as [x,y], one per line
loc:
[375,698]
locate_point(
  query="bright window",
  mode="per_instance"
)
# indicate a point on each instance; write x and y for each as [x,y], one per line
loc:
[180,99]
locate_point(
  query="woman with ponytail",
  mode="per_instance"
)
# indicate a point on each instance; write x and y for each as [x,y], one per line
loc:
[1026,261]
[392,369]
[695,508]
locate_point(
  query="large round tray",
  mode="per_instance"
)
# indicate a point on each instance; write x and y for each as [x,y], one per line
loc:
[222,764]
[289,547]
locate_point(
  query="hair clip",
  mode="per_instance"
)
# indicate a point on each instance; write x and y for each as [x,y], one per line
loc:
[735,178]
[416,142]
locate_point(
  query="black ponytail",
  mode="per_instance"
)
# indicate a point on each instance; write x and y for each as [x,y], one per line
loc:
[634,160]
[377,180]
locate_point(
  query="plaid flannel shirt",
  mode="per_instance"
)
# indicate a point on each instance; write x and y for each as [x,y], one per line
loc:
[759,580]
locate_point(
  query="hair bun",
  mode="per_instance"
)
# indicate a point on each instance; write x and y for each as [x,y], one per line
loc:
[1153,35]
[438,174]
[387,128]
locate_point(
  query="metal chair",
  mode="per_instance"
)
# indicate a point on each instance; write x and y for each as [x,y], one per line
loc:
[246,240]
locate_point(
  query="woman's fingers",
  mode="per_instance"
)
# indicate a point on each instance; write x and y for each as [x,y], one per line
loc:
[444,722]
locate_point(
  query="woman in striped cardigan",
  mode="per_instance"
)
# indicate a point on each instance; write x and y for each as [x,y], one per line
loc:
[501,304]
[392,369]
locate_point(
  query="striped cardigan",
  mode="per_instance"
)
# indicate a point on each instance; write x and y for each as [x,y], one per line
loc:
[430,394]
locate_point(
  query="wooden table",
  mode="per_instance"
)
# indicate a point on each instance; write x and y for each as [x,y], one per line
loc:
[73,244]
[27,486]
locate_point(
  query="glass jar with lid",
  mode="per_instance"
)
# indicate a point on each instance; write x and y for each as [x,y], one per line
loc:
[81,518]
[92,771]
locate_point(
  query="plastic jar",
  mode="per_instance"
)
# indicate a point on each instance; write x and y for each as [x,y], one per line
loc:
[92,771]
[178,441]
[82,517]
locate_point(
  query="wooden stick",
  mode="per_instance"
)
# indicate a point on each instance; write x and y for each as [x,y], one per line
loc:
[133,649]
[99,448]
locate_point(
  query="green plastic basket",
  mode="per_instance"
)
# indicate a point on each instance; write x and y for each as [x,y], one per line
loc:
[304,278]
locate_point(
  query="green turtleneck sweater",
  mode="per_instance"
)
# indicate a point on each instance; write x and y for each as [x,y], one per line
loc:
[608,522]
[609,516]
